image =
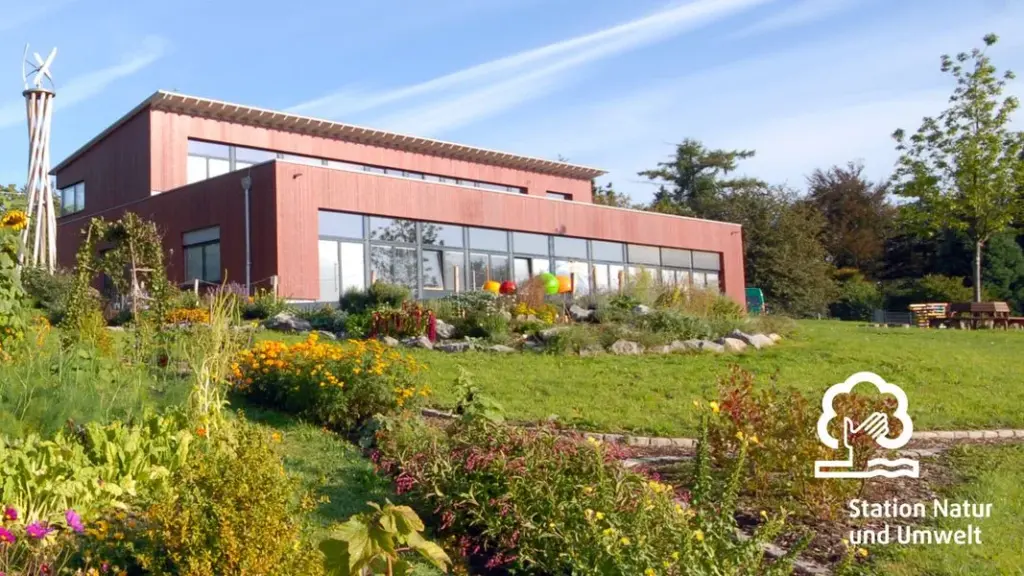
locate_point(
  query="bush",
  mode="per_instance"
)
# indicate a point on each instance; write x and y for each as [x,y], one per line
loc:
[409,321]
[858,297]
[230,512]
[326,318]
[771,324]
[337,386]
[677,326]
[264,304]
[574,339]
[930,288]
[187,316]
[358,325]
[48,291]
[537,502]
[379,295]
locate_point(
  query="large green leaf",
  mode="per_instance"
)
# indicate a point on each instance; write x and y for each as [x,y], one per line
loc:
[336,559]
[432,552]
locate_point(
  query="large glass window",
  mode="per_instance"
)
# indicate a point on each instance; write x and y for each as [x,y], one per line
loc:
[676,258]
[616,276]
[558,195]
[601,283]
[499,268]
[441,234]
[644,254]
[707,260]
[72,198]
[202,254]
[610,251]
[478,271]
[340,224]
[526,243]
[252,155]
[577,271]
[454,271]
[392,230]
[353,266]
[571,247]
[488,239]
[433,270]
[207,159]
[394,264]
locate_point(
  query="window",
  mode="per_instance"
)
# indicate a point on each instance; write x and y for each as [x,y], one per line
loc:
[610,251]
[558,196]
[616,276]
[676,258]
[394,265]
[526,243]
[578,273]
[340,224]
[485,267]
[571,247]
[712,281]
[521,270]
[72,199]
[441,234]
[252,156]
[202,254]
[433,270]
[643,254]
[601,277]
[207,159]
[392,230]
[487,239]
[454,270]
[707,260]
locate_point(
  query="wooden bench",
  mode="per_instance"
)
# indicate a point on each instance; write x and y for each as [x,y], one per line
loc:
[972,314]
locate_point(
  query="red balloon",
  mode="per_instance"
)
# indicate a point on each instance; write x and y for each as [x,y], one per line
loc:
[508,287]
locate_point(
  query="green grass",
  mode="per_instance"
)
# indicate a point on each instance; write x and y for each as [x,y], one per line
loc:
[951,377]
[993,475]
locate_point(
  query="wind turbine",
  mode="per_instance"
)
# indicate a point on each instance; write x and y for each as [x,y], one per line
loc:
[41,68]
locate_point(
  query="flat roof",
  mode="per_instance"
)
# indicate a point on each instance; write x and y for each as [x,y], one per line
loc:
[239,114]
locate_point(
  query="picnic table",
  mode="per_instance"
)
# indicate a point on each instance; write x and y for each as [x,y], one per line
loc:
[972,314]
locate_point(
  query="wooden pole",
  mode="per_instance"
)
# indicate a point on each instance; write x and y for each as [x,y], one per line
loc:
[195,286]
[457,279]
[42,219]
[273,285]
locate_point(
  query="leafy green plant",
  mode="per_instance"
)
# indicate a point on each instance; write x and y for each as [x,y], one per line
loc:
[264,304]
[410,320]
[326,318]
[12,293]
[210,349]
[48,291]
[374,542]
[474,404]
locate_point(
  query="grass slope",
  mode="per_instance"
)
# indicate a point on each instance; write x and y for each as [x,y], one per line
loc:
[953,378]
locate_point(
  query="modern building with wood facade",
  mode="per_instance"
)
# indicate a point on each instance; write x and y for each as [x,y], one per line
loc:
[321,207]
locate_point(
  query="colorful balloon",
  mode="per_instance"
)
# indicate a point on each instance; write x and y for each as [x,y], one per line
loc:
[564,284]
[550,283]
[492,287]
[508,287]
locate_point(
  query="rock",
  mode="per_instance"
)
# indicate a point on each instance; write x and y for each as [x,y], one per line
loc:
[760,341]
[775,337]
[532,345]
[285,322]
[709,346]
[732,344]
[444,329]
[665,349]
[325,335]
[501,349]
[580,314]
[641,310]
[591,350]
[421,342]
[116,328]
[456,346]
[625,348]
[549,333]
[389,341]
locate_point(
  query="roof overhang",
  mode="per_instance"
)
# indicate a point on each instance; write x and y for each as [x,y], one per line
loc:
[275,120]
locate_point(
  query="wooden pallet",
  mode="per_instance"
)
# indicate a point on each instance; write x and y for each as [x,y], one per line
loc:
[924,313]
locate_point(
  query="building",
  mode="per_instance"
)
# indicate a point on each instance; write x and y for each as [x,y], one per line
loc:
[333,206]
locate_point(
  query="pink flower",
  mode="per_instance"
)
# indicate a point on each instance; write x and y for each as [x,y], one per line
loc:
[6,537]
[37,530]
[74,521]
[10,514]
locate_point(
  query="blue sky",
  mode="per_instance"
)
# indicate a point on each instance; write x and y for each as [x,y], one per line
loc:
[613,84]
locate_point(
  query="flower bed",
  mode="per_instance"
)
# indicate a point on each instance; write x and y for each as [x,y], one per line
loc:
[339,386]
[187,316]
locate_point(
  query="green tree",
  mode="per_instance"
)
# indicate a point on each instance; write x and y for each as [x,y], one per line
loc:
[964,167]
[695,178]
[857,213]
[607,196]
[1003,270]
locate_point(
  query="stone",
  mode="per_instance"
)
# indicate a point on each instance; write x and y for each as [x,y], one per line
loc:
[532,345]
[732,344]
[452,347]
[641,310]
[775,337]
[325,335]
[687,345]
[709,346]
[638,441]
[975,434]
[580,314]
[661,442]
[389,341]
[501,349]
[549,333]
[591,350]
[1004,433]
[286,322]
[758,341]
[625,348]
[420,342]
[444,329]
[664,349]
[989,434]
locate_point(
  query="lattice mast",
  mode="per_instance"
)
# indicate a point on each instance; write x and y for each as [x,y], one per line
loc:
[39,238]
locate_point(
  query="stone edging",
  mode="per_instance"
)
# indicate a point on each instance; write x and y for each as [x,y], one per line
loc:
[943,436]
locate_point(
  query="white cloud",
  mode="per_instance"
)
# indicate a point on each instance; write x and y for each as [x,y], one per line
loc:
[533,72]
[90,84]
[798,14]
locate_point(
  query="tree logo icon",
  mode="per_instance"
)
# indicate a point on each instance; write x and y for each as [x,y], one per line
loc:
[876,426]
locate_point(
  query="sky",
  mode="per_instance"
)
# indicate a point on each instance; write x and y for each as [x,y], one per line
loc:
[806,84]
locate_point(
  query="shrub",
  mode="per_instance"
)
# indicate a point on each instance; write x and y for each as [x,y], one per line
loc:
[930,288]
[574,339]
[326,318]
[858,297]
[264,304]
[546,313]
[230,512]
[531,501]
[338,386]
[771,324]
[781,426]
[380,294]
[674,325]
[355,301]
[187,316]
[358,325]
[48,291]
[411,320]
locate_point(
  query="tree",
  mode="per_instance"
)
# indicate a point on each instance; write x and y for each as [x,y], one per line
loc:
[964,168]
[858,216]
[607,196]
[695,178]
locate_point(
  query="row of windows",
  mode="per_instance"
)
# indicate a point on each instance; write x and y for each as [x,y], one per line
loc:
[428,256]
[210,159]
[72,198]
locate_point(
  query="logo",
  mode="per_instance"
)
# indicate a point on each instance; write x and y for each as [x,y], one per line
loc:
[875,426]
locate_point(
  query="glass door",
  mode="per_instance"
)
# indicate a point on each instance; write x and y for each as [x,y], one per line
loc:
[330,272]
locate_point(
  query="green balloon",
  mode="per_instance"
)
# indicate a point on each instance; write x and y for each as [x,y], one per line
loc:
[550,283]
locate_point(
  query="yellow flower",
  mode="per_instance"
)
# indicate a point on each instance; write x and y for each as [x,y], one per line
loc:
[739,435]
[624,541]
[764,514]
[15,220]
[675,555]
[846,542]
[276,436]
[699,535]
[754,439]
[714,406]
[649,572]
[608,531]
[599,515]
[862,552]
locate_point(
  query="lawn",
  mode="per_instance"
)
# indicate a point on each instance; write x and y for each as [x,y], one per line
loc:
[992,475]
[954,379]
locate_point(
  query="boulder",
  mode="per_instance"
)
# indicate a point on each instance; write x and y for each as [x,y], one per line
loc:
[286,322]
[455,346]
[501,349]
[760,341]
[549,333]
[533,345]
[775,337]
[591,350]
[421,342]
[580,314]
[325,335]
[641,310]
[685,345]
[389,341]
[732,344]
[665,349]
[444,329]
[625,348]
[709,346]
